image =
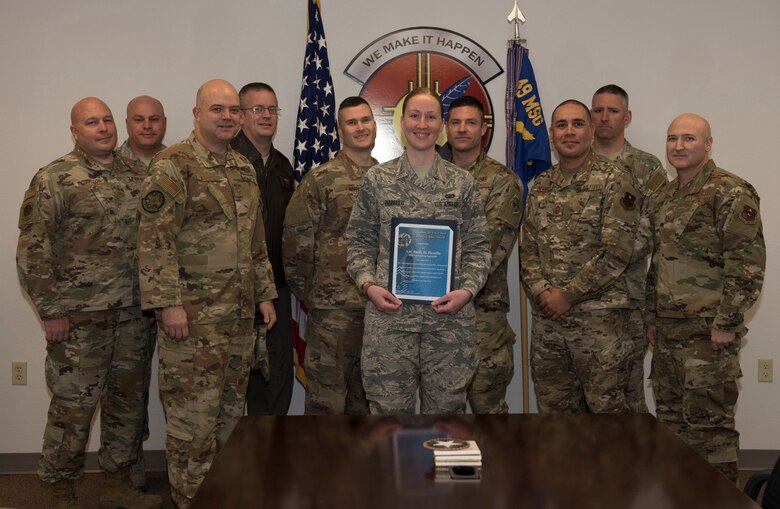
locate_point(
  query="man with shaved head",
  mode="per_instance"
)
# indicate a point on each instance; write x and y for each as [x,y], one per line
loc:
[204,269]
[145,124]
[76,261]
[707,271]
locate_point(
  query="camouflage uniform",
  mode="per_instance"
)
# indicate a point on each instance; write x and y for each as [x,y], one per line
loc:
[502,196]
[650,177]
[201,246]
[125,151]
[707,270]
[414,346]
[315,259]
[578,235]
[138,477]
[75,259]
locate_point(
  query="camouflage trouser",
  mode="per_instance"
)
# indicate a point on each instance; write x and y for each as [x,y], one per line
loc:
[334,338]
[580,363]
[696,389]
[203,383]
[395,363]
[104,360]
[495,338]
[151,345]
[635,393]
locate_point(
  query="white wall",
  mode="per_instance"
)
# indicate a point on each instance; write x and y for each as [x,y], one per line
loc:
[714,57]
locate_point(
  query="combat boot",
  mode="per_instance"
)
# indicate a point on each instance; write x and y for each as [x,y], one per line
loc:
[63,496]
[119,493]
[138,472]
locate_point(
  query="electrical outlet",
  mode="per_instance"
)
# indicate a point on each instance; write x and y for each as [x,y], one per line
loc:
[19,373]
[764,370]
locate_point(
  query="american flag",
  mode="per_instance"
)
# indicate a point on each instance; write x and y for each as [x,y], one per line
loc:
[316,140]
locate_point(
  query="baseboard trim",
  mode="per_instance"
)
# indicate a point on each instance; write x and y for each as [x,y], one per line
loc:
[757,459]
[27,462]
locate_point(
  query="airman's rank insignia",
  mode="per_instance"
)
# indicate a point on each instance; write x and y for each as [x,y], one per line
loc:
[628,201]
[153,201]
[749,214]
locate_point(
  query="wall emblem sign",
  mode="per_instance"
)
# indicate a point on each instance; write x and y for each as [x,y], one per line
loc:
[396,63]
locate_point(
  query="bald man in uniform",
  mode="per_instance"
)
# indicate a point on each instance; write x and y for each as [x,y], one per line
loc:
[76,261]
[204,269]
[145,124]
[707,271]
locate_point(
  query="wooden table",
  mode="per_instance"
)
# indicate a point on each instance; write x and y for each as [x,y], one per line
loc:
[529,461]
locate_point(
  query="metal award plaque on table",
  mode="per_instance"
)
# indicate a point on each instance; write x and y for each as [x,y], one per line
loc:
[422,258]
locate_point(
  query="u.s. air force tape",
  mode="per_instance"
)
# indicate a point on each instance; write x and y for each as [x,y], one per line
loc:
[153,201]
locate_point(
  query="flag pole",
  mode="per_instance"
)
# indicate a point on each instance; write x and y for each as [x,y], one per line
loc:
[516,17]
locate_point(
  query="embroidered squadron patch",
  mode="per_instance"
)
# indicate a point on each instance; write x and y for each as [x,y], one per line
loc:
[628,201]
[153,201]
[516,205]
[749,214]
[27,211]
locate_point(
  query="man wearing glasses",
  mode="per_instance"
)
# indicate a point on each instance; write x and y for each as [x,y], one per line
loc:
[259,117]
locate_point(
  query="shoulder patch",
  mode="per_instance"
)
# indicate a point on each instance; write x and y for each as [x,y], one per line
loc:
[517,205]
[153,201]
[29,212]
[749,214]
[746,219]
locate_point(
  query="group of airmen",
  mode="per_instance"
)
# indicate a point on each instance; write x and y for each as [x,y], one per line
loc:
[197,247]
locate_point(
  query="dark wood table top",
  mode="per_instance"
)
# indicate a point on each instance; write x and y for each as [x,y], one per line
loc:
[529,461]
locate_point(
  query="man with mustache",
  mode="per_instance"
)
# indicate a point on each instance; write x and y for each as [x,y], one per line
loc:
[203,267]
[708,269]
[578,238]
[501,193]
[145,124]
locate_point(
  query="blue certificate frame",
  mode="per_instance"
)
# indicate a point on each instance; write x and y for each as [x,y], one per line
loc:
[422,258]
